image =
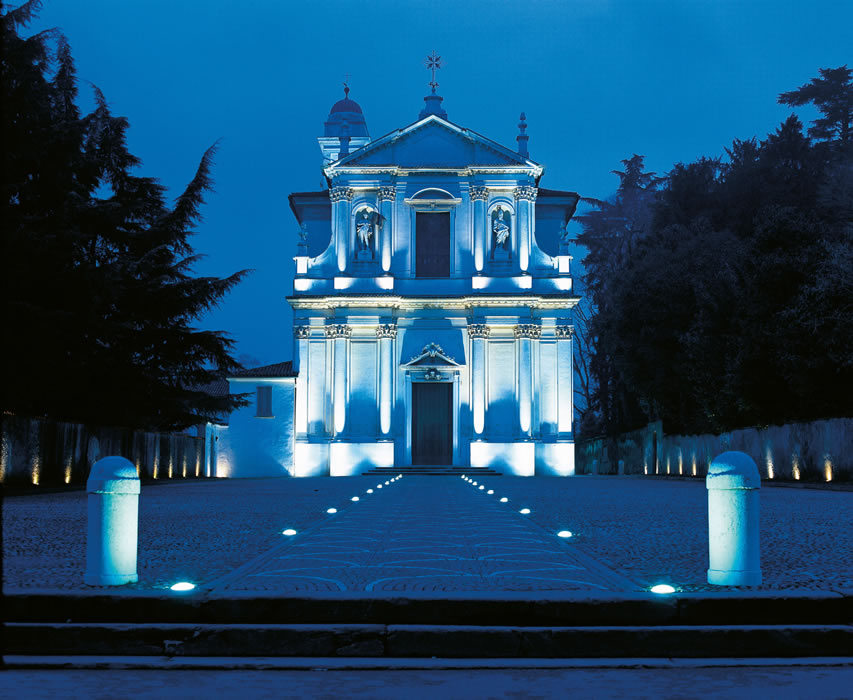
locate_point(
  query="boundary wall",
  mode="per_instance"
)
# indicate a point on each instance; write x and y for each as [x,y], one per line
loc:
[816,451]
[44,452]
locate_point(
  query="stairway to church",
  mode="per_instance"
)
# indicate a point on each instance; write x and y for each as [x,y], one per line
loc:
[431,470]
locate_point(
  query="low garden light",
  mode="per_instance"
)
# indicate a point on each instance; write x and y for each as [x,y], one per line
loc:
[290,532]
[332,510]
[662,589]
[182,586]
[525,511]
[565,534]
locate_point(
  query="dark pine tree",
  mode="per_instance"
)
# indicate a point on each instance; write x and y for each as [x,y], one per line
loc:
[99,291]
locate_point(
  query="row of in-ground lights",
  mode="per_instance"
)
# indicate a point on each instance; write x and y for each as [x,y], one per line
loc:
[661,588]
[183,586]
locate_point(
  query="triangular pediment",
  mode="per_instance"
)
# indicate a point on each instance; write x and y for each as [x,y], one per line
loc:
[431,356]
[433,143]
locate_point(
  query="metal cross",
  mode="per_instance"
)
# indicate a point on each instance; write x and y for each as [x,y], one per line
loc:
[433,63]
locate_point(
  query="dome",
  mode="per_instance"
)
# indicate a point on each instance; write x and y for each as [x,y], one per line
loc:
[346,119]
[346,105]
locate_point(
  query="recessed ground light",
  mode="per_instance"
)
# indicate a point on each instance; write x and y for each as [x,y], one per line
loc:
[290,532]
[182,586]
[504,499]
[490,491]
[332,510]
[379,486]
[564,533]
[525,511]
[474,482]
[482,488]
[662,589]
[354,498]
[369,491]
[387,482]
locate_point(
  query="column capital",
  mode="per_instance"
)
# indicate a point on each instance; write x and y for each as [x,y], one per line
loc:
[527,330]
[337,194]
[479,193]
[302,332]
[386,330]
[564,332]
[525,192]
[478,330]
[387,194]
[338,330]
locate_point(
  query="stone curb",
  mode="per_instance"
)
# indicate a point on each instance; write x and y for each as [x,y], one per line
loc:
[332,663]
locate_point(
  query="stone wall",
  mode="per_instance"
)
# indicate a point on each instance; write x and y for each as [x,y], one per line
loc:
[40,452]
[817,451]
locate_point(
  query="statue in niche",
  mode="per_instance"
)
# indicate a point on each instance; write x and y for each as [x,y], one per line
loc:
[501,234]
[364,224]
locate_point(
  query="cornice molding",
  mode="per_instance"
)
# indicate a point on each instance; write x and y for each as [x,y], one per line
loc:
[383,301]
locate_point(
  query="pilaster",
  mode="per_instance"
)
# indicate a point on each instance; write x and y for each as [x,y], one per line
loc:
[565,379]
[478,333]
[387,195]
[341,198]
[525,196]
[339,334]
[479,196]
[386,335]
[525,333]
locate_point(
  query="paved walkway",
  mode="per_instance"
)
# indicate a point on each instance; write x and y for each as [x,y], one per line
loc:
[425,534]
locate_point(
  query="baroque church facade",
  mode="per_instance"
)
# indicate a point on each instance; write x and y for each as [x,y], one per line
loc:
[432,306]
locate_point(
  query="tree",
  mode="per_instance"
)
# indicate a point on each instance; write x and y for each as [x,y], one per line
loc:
[100,296]
[832,94]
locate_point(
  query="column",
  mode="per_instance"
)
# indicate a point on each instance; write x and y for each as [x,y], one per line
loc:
[386,334]
[524,197]
[339,334]
[479,195]
[301,334]
[565,378]
[386,209]
[341,198]
[478,332]
[525,333]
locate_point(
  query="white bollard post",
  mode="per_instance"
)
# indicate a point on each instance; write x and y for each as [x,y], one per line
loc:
[111,541]
[733,536]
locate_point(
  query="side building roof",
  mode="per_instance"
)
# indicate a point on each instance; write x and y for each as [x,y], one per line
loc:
[278,370]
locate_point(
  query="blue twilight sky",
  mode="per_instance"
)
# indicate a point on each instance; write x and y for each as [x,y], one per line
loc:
[599,80]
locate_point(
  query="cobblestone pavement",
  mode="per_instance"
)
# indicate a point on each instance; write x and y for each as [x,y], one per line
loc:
[647,530]
[425,534]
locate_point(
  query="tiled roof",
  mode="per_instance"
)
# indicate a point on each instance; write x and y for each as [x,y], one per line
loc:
[217,388]
[279,369]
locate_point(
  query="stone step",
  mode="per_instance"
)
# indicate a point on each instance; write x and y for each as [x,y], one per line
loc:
[425,641]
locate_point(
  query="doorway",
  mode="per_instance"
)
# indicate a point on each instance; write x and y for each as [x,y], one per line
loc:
[432,423]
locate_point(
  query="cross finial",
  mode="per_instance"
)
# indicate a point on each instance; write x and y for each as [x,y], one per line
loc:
[433,63]
[346,86]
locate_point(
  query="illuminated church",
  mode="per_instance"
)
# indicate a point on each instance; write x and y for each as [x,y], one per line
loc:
[432,305]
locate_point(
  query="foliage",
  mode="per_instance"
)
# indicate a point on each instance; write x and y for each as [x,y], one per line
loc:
[729,303]
[99,293]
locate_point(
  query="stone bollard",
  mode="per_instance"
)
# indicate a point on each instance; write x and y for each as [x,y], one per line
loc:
[733,536]
[111,540]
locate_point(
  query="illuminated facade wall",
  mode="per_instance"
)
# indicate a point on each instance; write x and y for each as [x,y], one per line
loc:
[476,303]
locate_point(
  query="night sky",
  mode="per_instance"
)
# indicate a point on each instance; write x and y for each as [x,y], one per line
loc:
[599,80]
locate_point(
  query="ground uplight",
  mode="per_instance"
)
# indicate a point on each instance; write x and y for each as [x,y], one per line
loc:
[354,498]
[662,589]
[369,491]
[504,499]
[182,586]
[490,492]
[290,532]
[525,511]
[481,488]
[564,534]
[332,510]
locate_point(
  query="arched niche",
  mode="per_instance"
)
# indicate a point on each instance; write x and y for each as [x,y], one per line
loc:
[366,222]
[501,223]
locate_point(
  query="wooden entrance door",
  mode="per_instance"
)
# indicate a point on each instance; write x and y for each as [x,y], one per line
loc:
[432,423]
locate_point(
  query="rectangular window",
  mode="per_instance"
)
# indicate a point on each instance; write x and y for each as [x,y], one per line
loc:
[432,244]
[264,402]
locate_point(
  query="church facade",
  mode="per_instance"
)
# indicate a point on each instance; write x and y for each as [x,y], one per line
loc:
[430,327]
